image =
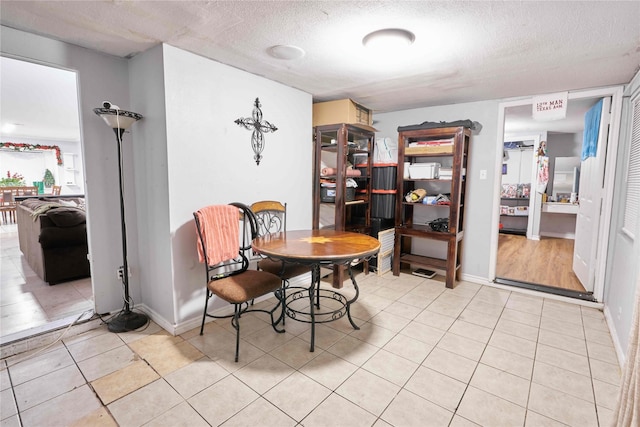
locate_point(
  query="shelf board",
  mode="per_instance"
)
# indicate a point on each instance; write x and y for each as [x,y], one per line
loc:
[424,261]
[515,198]
[425,231]
[515,216]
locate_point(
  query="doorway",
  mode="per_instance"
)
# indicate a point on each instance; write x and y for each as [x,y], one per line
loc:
[41,138]
[542,259]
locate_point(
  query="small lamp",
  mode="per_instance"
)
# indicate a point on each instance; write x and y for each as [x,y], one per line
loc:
[120,120]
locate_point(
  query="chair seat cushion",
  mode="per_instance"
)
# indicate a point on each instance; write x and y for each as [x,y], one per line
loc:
[245,286]
[290,270]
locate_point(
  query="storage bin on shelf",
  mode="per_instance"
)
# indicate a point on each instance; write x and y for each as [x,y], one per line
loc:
[328,193]
[424,170]
[383,203]
[384,176]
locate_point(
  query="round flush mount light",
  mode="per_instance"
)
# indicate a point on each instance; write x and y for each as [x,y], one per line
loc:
[286,51]
[389,38]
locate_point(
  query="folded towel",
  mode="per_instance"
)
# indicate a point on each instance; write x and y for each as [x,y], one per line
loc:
[220,232]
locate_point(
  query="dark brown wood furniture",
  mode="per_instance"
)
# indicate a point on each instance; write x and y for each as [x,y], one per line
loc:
[340,207]
[413,234]
[317,248]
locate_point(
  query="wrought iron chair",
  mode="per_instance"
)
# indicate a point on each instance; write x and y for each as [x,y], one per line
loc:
[227,275]
[271,217]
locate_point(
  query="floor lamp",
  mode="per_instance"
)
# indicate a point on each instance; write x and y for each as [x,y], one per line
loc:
[119,121]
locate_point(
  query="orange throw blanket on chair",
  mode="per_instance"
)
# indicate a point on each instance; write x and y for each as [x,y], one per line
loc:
[220,229]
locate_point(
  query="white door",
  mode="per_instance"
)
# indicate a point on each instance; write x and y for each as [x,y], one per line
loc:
[590,198]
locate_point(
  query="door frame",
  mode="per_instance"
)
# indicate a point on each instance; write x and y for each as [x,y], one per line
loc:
[615,92]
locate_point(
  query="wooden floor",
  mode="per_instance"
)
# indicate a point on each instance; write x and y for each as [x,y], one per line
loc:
[547,261]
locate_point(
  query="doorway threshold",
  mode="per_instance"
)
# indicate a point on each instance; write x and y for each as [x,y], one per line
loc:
[585,296]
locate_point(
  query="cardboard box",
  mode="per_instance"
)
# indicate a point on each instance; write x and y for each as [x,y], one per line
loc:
[341,111]
[429,149]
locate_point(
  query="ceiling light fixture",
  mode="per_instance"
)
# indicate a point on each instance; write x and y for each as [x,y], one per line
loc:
[388,39]
[286,51]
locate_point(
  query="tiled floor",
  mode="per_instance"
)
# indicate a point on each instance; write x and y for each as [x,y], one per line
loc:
[424,356]
[26,301]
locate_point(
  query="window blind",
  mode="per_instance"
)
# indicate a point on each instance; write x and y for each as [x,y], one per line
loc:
[632,202]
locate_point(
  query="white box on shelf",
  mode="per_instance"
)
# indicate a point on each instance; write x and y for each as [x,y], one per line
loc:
[424,170]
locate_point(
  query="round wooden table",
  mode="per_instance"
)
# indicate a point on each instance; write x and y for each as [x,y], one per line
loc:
[317,248]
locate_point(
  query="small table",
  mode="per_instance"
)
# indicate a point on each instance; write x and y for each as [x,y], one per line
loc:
[318,248]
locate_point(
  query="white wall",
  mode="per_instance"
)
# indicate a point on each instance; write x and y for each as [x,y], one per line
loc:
[191,154]
[99,76]
[482,155]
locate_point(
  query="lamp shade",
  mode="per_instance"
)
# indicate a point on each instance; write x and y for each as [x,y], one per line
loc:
[117,119]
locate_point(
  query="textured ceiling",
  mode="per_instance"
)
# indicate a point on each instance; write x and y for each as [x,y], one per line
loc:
[464,51]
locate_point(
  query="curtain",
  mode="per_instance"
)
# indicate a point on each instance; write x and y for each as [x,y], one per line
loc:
[591,129]
[627,413]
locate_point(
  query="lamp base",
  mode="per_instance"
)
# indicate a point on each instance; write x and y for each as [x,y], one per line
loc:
[127,321]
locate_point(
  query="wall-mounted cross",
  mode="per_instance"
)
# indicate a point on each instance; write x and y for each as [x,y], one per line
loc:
[259,127]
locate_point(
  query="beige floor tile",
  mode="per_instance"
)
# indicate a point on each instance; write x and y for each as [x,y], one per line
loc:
[537,420]
[453,299]
[264,373]
[606,394]
[127,380]
[513,344]
[329,370]
[471,331]
[368,391]
[599,337]
[150,329]
[374,334]
[560,327]
[375,302]
[48,386]
[561,406]
[605,416]
[40,365]
[462,346]
[493,296]
[563,380]
[435,320]
[295,353]
[391,293]
[297,395]
[521,317]
[66,408]
[563,342]
[94,346]
[249,323]
[604,371]
[403,310]
[353,350]
[459,421]
[525,304]
[182,415]
[485,307]
[266,339]
[502,384]
[168,358]
[563,315]
[325,336]
[563,359]
[336,407]
[389,321]
[436,387]
[561,305]
[415,299]
[409,348]
[446,309]
[422,332]
[488,410]
[98,418]
[222,400]
[5,381]
[601,352]
[408,409]
[391,367]
[517,329]
[479,318]
[381,423]
[596,323]
[145,404]
[220,346]
[260,413]
[195,377]
[451,364]
[8,406]
[508,361]
[107,362]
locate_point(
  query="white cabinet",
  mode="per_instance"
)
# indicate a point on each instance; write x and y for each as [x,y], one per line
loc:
[70,171]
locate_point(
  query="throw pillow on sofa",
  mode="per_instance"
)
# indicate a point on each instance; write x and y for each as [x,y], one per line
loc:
[67,217]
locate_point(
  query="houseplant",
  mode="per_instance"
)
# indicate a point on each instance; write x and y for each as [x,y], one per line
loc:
[12,180]
[48,179]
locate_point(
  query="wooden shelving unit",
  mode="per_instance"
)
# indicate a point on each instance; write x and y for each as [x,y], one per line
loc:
[340,145]
[412,219]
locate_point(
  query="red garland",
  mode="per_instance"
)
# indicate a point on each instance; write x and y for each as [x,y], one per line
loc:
[19,146]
